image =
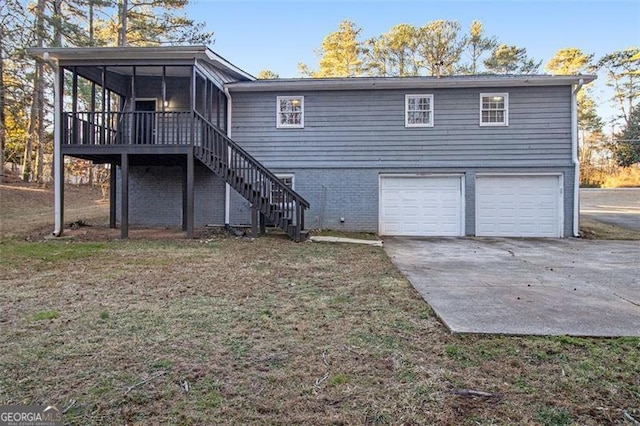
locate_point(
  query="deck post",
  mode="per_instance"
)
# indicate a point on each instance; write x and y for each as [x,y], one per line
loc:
[105,105]
[124,196]
[192,103]
[74,106]
[263,223]
[255,218]
[190,199]
[299,221]
[185,190]
[92,118]
[134,122]
[112,195]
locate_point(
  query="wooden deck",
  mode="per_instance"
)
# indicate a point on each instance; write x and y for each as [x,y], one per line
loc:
[126,139]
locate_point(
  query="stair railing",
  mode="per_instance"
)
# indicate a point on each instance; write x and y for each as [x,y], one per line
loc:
[264,190]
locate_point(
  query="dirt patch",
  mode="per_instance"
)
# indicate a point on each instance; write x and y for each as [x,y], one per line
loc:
[28,208]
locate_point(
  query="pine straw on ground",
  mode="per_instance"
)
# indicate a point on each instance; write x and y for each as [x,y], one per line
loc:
[239,331]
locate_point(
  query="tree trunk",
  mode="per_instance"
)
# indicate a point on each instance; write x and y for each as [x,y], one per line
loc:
[41,139]
[38,85]
[91,24]
[2,119]
[27,166]
[57,34]
[27,160]
[123,5]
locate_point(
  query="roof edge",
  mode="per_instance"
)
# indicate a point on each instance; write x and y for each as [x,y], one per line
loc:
[381,83]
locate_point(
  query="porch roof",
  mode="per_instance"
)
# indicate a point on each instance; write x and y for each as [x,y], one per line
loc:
[142,56]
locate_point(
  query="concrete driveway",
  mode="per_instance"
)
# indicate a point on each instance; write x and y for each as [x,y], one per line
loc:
[615,206]
[526,286]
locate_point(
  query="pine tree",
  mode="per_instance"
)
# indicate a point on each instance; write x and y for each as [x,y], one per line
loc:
[441,46]
[340,54]
[623,75]
[573,61]
[511,60]
[477,45]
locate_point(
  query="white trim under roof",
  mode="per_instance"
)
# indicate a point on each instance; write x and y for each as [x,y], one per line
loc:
[380,83]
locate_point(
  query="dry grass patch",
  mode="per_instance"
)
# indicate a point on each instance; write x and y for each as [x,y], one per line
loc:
[596,230]
[624,177]
[268,331]
[27,207]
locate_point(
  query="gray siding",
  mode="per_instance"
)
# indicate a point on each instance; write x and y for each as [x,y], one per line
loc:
[351,137]
[178,91]
[366,129]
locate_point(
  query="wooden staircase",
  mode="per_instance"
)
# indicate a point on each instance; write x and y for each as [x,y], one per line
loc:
[269,196]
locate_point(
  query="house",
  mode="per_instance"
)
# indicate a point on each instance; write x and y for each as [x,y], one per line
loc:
[196,141]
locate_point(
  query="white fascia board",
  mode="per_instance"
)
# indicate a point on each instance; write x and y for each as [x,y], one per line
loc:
[381,83]
[139,53]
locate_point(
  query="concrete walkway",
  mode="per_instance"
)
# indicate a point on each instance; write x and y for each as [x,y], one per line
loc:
[615,206]
[526,286]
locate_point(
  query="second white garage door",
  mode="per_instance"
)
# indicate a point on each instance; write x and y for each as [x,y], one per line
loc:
[519,206]
[421,206]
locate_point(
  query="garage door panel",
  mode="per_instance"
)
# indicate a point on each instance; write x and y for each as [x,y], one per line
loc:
[518,206]
[421,206]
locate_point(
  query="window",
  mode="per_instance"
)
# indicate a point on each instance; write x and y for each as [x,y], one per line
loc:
[494,109]
[418,111]
[290,112]
[277,195]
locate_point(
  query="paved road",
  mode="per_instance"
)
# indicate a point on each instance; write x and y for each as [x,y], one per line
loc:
[525,286]
[617,206]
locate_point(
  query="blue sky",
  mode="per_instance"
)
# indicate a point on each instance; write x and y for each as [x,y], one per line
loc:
[276,35]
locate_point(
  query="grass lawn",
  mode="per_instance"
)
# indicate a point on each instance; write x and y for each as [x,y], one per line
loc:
[239,331]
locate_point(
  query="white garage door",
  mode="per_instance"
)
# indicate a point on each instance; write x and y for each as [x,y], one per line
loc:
[421,205]
[518,206]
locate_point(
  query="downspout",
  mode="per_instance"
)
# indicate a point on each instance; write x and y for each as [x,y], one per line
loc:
[227,194]
[575,159]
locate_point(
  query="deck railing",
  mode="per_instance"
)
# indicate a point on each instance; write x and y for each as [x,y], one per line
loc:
[138,127]
[267,194]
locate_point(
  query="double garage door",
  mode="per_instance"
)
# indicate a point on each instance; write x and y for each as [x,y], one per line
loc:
[505,205]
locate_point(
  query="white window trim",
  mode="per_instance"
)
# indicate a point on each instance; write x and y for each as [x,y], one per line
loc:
[406,110]
[284,176]
[289,126]
[293,187]
[287,176]
[506,110]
